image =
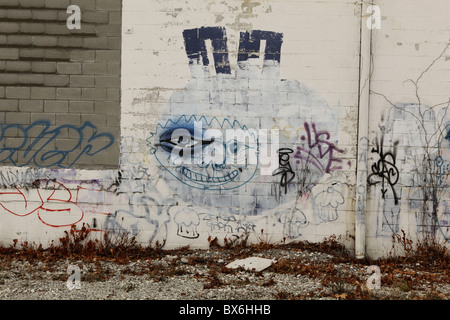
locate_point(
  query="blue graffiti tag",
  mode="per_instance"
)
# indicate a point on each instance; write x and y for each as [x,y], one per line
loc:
[35,144]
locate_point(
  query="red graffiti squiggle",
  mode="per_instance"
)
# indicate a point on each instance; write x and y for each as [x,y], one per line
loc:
[18,199]
[57,199]
[50,199]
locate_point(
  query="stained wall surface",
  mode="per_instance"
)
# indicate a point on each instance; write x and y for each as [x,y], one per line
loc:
[409,130]
[183,121]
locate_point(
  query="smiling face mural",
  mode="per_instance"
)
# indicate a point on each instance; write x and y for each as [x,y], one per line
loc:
[209,155]
[214,141]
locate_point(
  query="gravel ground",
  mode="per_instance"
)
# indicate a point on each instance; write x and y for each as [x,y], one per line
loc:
[202,275]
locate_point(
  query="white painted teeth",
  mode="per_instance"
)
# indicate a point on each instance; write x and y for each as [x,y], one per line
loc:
[198,177]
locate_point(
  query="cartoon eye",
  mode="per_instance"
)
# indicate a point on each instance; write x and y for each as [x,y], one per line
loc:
[176,137]
[237,152]
[182,138]
[184,141]
[235,147]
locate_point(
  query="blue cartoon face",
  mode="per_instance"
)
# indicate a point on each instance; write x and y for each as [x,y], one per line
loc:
[205,154]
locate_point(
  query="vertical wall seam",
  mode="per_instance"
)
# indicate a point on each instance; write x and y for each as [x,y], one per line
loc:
[365,56]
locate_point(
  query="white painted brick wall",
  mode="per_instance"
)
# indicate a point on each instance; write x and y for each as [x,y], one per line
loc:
[316,83]
[320,50]
[411,37]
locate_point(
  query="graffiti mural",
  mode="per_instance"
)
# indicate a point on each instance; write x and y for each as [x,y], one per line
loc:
[292,221]
[207,142]
[327,197]
[418,140]
[202,172]
[187,221]
[232,123]
[139,207]
[218,162]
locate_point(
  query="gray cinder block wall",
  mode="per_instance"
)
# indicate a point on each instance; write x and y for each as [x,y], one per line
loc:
[60,87]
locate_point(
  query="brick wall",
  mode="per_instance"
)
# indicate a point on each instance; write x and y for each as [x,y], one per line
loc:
[60,87]
[409,120]
[262,65]
[297,66]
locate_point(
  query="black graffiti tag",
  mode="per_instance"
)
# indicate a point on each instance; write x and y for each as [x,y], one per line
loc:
[284,168]
[384,170]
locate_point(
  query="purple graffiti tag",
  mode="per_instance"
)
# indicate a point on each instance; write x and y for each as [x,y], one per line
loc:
[319,150]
